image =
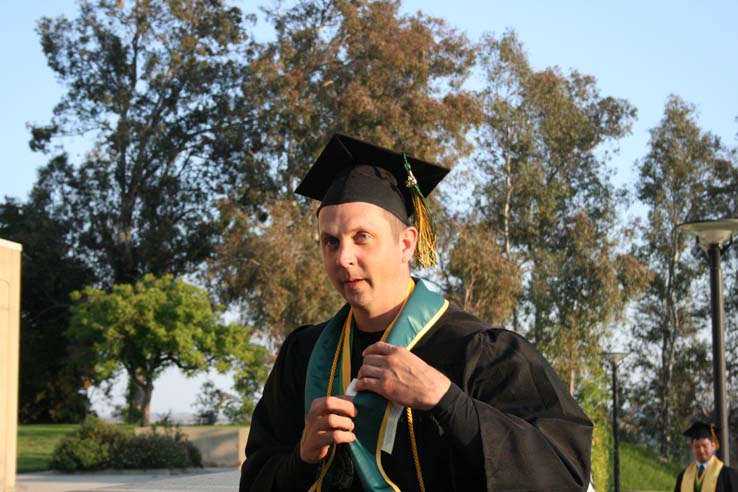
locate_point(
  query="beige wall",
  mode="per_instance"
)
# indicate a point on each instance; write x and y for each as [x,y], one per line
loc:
[220,446]
[10,258]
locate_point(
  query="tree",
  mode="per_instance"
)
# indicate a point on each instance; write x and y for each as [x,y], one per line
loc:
[544,186]
[274,268]
[590,287]
[155,324]
[673,185]
[477,276]
[209,403]
[357,67]
[361,68]
[50,390]
[157,88]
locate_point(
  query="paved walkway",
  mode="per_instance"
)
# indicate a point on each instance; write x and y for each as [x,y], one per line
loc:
[210,479]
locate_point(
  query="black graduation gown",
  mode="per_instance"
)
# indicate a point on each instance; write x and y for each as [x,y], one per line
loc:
[532,434]
[727,481]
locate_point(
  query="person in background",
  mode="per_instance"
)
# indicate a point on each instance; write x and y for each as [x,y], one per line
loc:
[706,473]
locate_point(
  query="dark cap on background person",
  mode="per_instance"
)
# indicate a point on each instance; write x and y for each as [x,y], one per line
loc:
[702,430]
[351,170]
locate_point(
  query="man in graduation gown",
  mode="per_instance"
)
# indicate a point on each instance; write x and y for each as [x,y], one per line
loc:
[706,473]
[400,391]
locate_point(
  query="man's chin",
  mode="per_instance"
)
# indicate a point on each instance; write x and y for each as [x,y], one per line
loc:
[355,296]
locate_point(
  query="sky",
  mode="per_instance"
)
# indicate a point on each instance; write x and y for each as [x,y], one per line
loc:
[639,51]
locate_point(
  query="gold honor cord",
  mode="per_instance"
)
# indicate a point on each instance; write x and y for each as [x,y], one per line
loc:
[327,463]
[343,343]
[414,446]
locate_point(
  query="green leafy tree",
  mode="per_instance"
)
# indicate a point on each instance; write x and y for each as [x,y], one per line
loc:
[50,390]
[674,186]
[157,323]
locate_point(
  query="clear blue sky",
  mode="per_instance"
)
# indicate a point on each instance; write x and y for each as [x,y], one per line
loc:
[640,51]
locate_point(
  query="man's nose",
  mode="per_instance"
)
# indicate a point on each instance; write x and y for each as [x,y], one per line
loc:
[346,254]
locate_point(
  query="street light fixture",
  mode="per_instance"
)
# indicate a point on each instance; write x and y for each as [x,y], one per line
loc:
[714,237]
[615,358]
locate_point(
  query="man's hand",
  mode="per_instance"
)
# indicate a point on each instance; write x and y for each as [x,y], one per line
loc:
[401,377]
[329,421]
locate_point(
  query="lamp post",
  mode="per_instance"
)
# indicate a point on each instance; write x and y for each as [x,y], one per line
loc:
[714,237]
[615,358]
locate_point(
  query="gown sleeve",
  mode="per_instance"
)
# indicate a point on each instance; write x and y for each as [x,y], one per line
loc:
[272,451]
[727,480]
[532,435]
[678,485]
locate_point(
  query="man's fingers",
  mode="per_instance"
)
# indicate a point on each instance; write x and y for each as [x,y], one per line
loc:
[316,447]
[339,437]
[337,422]
[329,421]
[341,405]
[332,404]
[376,360]
[369,371]
[375,385]
[380,348]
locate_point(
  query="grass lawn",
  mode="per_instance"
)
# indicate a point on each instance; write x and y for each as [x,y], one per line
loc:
[643,469]
[37,442]
[640,468]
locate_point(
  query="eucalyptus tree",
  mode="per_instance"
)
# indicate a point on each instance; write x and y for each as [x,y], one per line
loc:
[543,148]
[675,185]
[358,67]
[157,90]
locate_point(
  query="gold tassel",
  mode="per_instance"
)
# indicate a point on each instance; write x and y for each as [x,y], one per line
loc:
[425,252]
[714,438]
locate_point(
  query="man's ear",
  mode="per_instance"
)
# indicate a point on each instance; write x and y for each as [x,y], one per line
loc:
[408,242]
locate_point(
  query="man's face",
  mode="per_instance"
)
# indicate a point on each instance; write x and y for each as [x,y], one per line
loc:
[366,258]
[703,448]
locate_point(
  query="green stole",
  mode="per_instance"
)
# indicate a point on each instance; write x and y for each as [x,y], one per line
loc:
[707,482]
[420,313]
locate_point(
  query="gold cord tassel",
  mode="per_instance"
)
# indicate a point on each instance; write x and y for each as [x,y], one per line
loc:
[714,438]
[425,252]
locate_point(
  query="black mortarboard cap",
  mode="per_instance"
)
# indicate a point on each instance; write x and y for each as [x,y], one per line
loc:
[351,170]
[702,430]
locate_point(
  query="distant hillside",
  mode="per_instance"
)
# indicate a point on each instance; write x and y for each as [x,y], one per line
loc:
[643,469]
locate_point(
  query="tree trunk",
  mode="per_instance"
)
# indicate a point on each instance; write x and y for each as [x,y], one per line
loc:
[146,410]
[572,377]
[672,326]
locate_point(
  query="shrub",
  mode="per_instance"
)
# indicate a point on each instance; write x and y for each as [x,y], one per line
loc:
[152,451]
[99,445]
[75,453]
[89,448]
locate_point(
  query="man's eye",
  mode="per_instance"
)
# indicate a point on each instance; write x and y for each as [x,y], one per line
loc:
[330,242]
[362,236]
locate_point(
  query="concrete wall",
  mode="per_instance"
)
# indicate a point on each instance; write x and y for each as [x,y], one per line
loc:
[223,447]
[10,260]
